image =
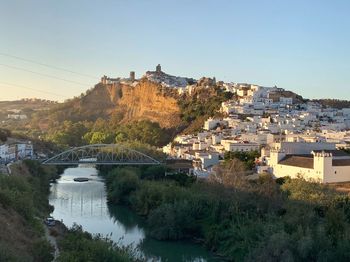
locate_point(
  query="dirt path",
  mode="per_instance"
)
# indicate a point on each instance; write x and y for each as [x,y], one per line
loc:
[52,240]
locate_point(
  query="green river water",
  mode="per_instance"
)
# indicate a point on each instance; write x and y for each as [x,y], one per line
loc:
[86,204]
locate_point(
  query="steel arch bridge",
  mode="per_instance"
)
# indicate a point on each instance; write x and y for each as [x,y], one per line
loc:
[101,154]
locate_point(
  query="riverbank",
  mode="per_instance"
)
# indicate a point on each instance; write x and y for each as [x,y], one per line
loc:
[52,234]
[86,204]
[74,244]
[157,201]
[242,220]
[23,205]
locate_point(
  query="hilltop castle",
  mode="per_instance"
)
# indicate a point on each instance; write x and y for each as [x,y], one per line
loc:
[108,80]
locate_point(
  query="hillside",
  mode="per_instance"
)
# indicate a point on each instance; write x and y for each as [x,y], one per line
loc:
[26,104]
[97,102]
[163,106]
[23,205]
[147,100]
[156,97]
[24,107]
[286,93]
[335,103]
[123,102]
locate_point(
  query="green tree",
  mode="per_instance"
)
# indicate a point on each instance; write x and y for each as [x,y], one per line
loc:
[43,251]
[101,138]
[4,134]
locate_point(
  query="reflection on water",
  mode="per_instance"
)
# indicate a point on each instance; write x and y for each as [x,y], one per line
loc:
[85,203]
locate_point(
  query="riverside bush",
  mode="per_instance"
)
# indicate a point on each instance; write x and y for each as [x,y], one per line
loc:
[260,220]
[80,246]
[23,199]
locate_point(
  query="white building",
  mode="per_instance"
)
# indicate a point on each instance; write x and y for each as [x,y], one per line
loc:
[25,150]
[3,152]
[199,146]
[203,160]
[17,116]
[211,124]
[216,139]
[295,159]
[16,151]
[234,146]
[286,100]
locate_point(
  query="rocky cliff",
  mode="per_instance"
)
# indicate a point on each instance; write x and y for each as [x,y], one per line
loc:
[147,100]
[141,100]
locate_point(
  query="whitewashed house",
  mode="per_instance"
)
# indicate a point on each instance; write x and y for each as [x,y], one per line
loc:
[234,146]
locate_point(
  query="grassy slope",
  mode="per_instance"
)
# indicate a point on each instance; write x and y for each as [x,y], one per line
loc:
[23,204]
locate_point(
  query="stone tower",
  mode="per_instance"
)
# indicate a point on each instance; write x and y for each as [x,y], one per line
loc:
[158,68]
[276,155]
[104,80]
[132,76]
[323,163]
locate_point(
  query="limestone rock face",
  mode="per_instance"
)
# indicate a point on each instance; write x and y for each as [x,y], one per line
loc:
[144,100]
[147,101]
[101,97]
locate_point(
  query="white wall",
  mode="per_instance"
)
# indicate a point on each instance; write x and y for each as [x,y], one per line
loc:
[337,174]
[323,170]
[294,172]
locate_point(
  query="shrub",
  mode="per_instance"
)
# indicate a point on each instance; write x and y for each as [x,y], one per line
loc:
[81,246]
[154,173]
[43,251]
[123,183]
[172,221]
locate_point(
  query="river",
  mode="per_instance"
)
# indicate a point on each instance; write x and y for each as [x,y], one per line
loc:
[85,203]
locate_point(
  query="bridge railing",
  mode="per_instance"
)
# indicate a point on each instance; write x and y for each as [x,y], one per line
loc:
[101,154]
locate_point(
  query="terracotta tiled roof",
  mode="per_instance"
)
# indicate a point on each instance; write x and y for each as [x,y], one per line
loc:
[305,161]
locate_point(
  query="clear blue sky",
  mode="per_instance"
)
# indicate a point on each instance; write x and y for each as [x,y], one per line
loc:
[300,45]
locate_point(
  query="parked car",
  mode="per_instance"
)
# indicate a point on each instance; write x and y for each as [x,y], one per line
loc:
[50,221]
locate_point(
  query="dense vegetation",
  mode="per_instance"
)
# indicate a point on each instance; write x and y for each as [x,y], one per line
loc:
[78,245]
[247,158]
[4,134]
[346,150]
[201,105]
[74,132]
[102,131]
[23,206]
[82,120]
[335,103]
[23,200]
[264,220]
